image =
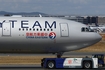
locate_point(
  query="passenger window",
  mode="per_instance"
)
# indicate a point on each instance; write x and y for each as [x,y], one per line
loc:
[19,29]
[47,29]
[34,29]
[26,29]
[37,29]
[40,29]
[30,29]
[23,29]
[51,29]
[44,29]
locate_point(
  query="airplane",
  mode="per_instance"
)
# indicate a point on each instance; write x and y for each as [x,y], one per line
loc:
[98,28]
[44,35]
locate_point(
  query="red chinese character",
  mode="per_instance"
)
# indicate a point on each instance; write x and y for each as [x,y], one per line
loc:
[38,34]
[34,34]
[31,34]
[27,34]
[42,34]
[46,34]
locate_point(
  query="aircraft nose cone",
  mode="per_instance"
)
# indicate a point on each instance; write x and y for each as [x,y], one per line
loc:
[98,37]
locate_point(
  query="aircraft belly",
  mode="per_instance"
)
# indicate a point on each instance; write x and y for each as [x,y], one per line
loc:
[38,48]
[30,48]
[17,45]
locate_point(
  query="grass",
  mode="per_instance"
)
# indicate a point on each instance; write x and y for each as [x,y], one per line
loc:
[21,59]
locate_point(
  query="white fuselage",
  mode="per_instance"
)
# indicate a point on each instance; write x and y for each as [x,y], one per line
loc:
[43,35]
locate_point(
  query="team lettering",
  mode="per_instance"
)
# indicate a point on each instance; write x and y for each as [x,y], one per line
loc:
[25,24]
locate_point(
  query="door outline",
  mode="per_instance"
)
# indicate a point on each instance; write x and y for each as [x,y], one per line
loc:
[61,30]
[8,27]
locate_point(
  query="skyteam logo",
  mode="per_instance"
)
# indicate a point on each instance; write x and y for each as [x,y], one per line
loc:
[52,35]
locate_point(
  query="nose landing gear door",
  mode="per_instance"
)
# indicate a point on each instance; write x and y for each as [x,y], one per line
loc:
[64,29]
[6,29]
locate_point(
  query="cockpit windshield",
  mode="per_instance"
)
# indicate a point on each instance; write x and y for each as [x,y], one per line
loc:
[87,29]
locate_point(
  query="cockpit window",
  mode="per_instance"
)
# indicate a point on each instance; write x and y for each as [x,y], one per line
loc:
[86,29]
[91,30]
[83,29]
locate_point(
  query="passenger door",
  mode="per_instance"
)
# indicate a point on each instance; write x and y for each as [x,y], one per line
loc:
[6,29]
[64,29]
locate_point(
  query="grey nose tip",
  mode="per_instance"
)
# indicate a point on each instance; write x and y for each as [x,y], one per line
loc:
[99,37]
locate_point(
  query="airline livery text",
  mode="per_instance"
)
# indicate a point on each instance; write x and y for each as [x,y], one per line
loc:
[36,24]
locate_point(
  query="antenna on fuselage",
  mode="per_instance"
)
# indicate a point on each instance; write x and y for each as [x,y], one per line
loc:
[40,15]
